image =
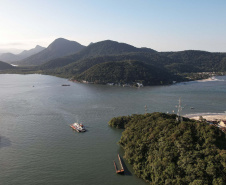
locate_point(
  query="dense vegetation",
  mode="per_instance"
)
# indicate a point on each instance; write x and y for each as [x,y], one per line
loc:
[85,63]
[196,61]
[127,72]
[103,48]
[164,151]
[187,64]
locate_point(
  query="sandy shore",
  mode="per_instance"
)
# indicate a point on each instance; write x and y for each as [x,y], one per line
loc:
[207,80]
[210,117]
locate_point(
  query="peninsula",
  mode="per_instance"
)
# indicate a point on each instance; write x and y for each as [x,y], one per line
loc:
[165,151]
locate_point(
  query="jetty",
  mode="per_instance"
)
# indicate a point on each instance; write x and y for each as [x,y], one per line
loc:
[121,171]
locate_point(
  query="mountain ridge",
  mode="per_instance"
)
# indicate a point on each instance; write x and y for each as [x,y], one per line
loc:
[185,65]
[102,48]
[10,57]
[58,48]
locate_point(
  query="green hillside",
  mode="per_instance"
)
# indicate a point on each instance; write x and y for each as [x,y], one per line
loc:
[189,65]
[103,48]
[109,47]
[183,63]
[80,66]
[126,72]
[196,61]
[164,151]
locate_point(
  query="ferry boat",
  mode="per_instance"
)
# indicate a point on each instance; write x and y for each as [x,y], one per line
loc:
[78,127]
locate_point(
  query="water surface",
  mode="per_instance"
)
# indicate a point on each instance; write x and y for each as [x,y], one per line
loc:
[37,145]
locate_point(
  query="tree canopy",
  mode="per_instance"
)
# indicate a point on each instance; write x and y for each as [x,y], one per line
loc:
[127,72]
[164,151]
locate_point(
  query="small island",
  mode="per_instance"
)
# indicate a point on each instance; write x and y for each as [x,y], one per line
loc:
[163,150]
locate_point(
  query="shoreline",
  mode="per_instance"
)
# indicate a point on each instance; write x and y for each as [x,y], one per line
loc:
[208,117]
[206,80]
[213,79]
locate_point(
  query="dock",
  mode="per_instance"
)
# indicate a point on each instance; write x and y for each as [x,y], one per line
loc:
[121,171]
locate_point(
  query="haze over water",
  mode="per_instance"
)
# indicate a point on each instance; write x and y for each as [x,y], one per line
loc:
[37,145]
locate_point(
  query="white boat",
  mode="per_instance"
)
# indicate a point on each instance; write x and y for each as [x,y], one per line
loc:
[78,127]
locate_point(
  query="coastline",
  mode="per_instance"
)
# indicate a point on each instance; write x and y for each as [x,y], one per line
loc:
[208,117]
[206,80]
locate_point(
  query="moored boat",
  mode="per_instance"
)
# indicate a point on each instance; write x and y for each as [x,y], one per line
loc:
[65,84]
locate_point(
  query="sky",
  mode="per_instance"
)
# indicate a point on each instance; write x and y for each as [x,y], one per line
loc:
[163,25]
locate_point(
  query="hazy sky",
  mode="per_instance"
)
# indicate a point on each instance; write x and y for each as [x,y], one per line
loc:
[163,25]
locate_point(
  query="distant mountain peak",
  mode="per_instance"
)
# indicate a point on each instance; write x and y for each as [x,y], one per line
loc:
[38,46]
[60,47]
[9,57]
[61,43]
[60,38]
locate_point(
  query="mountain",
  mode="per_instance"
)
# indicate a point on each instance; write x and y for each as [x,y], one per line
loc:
[183,63]
[4,66]
[70,59]
[109,47]
[33,51]
[127,72]
[10,57]
[103,48]
[82,65]
[58,48]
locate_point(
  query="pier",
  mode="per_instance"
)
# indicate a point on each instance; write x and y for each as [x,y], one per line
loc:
[121,171]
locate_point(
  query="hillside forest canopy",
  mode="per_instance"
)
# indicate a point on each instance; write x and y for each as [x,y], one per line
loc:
[71,60]
[165,151]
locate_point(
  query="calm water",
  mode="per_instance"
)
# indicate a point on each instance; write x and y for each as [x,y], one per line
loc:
[37,145]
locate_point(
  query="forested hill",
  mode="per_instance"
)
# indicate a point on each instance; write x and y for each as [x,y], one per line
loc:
[103,48]
[196,61]
[4,66]
[110,51]
[109,47]
[164,151]
[127,72]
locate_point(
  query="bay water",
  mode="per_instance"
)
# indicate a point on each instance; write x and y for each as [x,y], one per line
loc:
[37,145]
